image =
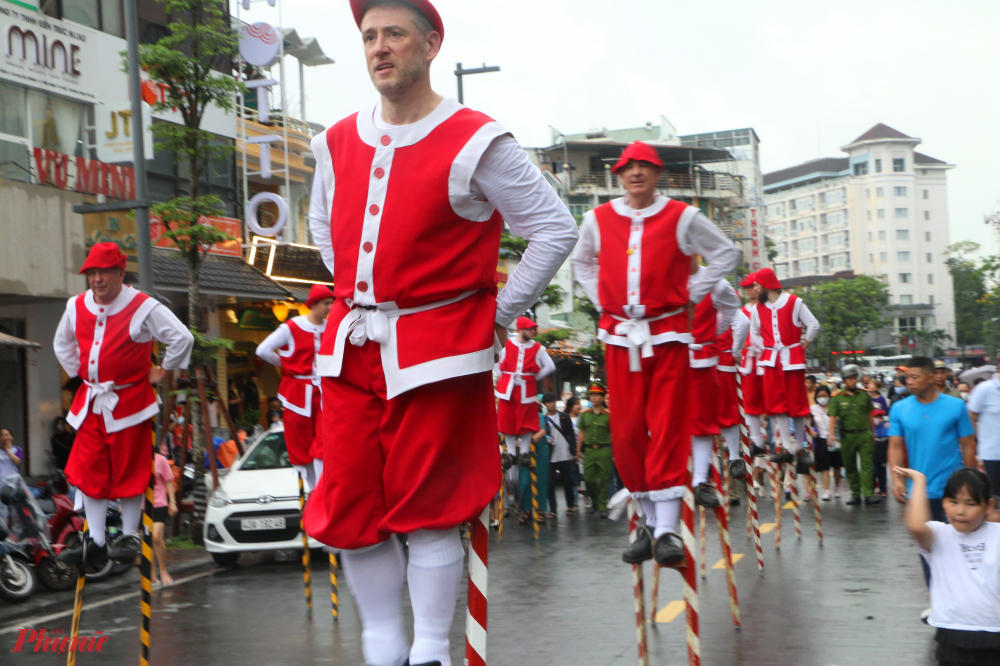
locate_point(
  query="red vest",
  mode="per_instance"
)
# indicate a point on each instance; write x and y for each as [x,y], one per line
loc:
[704,352]
[781,336]
[519,367]
[750,353]
[299,368]
[108,353]
[724,345]
[408,234]
[641,264]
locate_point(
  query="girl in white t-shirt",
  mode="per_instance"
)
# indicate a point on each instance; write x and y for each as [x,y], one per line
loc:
[965,566]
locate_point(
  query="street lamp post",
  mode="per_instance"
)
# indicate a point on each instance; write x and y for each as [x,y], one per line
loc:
[459,73]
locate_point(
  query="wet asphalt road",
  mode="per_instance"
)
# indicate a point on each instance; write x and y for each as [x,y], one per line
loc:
[566,599]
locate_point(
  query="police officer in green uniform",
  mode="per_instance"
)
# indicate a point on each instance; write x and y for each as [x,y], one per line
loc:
[594,444]
[852,408]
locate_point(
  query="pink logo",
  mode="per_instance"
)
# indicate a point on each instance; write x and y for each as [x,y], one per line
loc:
[56,640]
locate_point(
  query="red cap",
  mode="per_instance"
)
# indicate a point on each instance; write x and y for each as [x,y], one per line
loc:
[640,152]
[748,280]
[766,278]
[596,388]
[359,7]
[104,255]
[317,293]
[524,322]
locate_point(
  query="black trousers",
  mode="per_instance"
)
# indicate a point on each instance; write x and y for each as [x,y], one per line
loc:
[564,472]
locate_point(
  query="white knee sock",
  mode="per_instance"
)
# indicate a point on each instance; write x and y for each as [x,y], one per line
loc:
[434,577]
[800,430]
[524,443]
[511,442]
[781,430]
[317,469]
[702,451]
[308,474]
[96,511]
[131,508]
[732,437]
[649,508]
[667,514]
[375,577]
[753,425]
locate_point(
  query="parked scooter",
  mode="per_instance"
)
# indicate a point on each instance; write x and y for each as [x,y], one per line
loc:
[17,580]
[20,508]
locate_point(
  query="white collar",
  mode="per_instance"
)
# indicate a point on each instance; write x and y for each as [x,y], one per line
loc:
[302,321]
[403,135]
[621,207]
[525,345]
[780,303]
[113,308]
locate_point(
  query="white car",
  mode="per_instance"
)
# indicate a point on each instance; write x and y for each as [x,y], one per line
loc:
[256,506]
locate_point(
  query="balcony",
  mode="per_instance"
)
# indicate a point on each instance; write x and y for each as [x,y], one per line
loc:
[698,184]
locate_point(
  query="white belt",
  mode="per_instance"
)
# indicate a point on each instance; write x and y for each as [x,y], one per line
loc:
[103,394]
[639,338]
[779,351]
[313,379]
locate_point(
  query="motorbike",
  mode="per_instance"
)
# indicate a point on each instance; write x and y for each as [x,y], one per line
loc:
[30,531]
[17,580]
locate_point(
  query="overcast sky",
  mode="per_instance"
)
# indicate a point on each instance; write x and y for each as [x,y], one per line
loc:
[808,77]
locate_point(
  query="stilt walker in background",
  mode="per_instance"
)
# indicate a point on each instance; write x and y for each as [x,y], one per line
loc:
[293,347]
[730,343]
[407,207]
[522,363]
[778,321]
[634,262]
[752,379]
[106,336]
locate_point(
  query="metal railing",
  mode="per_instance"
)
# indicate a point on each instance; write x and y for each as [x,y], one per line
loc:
[278,119]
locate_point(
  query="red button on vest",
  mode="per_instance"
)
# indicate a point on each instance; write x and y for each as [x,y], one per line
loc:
[373,210]
[102,309]
[100,323]
[362,286]
[368,247]
[379,172]
[386,140]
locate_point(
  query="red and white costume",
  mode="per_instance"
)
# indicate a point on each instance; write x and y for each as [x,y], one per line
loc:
[644,322]
[521,365]
[293,347]
[779,326]
[109,347]
[729,344]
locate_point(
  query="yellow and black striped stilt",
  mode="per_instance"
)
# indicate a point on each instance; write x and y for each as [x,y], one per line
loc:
[333,587]
[74,632]
[306,572]
[534,492]
[146,568]
[503,505]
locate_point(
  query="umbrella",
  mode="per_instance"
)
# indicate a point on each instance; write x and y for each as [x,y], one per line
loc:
[983,371]
[11,341]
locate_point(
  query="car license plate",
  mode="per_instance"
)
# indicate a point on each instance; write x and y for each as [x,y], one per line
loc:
[250,524]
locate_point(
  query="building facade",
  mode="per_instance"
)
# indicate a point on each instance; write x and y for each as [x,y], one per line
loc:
[880,211]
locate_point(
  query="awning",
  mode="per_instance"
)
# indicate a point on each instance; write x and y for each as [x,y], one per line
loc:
[290,264]
[11,341]
[221,276]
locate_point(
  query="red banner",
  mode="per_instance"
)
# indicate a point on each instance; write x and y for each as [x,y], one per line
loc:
[225,224]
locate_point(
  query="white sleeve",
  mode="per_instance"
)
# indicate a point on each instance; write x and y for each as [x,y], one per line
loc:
[268,350]
[808,320]
[741,328]
[163,325]
[727,303]
[64,345]
[755,338]
[545,364]
[696,234]
[509,181]
[585,265]
[319,221]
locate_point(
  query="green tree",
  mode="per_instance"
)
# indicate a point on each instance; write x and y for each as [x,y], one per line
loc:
[546,338]
[595,351]
[969,284]
[772,249]
[990,267]
[846,309]
[930,341]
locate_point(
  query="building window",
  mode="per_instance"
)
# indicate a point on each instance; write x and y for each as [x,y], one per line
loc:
[927,215]
[902,213]
[881,234]
[869,215]
[904,278]
[861,169]
[930,278]
[905,299]
[881,213]
[871,258]
[906,324]
[930,258]
[902,256]
[898,165]
[870,237]
[902,234]
[883,256]
[868,192]
[776,230]
[879,192]
[927,194]
[899,191]
[930,300]
[927,236]
[103,15]
[167,179]
[878,166]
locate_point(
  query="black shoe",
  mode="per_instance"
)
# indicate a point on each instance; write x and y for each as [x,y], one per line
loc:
[854,501]
[757,452]
[604,514]
[668,550]
[705,495]
[126,549]
[788,495]
[525,461]
[782,458]
[737,469]
[87,553]
[734,501]
[593,509]
[640,550]
[506,461]
[803,461]
[873,499]
[429,663]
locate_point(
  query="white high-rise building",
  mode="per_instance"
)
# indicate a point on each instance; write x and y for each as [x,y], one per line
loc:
[881,211]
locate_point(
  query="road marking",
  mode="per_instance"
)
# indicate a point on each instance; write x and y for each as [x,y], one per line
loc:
[721,564]
[789,505]
[97,604]
[766,527]
[670,612]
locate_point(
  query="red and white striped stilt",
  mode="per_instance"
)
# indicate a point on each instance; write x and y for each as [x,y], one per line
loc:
[777,470]
[815,489]
[722,523]
[638,592]
[792,472]
[655,593]
[475,620]
[689,573]
[701,542]
[752,517]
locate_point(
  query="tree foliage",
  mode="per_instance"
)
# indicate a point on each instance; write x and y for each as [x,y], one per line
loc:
[546,338]
[846,309]
[511,247]
[969,283]
[594,351]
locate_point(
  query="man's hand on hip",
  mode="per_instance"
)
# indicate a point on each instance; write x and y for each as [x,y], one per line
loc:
[501,332]
[156,374]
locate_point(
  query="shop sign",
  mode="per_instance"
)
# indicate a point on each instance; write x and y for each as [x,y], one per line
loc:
[224,224]
[119,228]
[83,175]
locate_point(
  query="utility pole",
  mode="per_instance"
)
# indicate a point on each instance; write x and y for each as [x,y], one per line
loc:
[459,73]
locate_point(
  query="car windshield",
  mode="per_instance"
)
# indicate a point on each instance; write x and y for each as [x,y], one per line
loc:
[270,453]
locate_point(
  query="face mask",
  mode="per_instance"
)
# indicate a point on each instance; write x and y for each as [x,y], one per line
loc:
[180,420]
[900,389]
[823,401]
[965,396]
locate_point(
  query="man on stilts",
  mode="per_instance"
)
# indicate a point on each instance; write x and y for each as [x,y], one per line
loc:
[778,321]
[106,338]
[407,209]
[647,310]
[752,379]
[293,347]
